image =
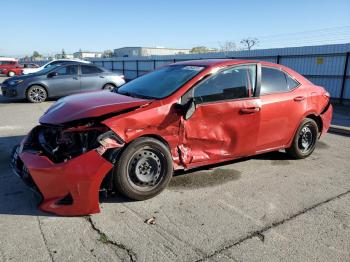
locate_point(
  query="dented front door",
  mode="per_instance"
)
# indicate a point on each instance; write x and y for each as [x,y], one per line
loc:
[226,120]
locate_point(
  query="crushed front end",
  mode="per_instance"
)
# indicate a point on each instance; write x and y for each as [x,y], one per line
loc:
[66,165]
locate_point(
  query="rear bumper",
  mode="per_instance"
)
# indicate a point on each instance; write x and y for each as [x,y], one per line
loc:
[77,180]
[326,117]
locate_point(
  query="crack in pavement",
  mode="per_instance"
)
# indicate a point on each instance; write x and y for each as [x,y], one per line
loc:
[44,239]
[259,233]
[103,236]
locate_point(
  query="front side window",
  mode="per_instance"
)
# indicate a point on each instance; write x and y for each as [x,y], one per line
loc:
[160,83]
[86,70]
[68,70]
[275,81]
[233,83]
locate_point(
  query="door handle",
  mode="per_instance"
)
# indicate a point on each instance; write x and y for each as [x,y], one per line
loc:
[249,110]
[102,77]
[75,78]
[299,98]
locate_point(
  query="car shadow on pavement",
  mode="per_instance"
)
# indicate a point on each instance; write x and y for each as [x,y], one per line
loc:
[9,100]
[17,199]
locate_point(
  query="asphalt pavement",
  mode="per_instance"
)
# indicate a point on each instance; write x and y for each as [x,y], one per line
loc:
[263,208]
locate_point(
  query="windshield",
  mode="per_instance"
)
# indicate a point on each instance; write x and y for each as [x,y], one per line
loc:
[47,69]
[160,83]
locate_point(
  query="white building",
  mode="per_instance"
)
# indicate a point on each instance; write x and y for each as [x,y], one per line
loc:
[86,54]
[66,56]
[148,51]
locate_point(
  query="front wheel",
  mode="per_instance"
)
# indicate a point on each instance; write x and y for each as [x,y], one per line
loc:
[108,87]
[36,94]
[144,169]
[305,139]
[11,74]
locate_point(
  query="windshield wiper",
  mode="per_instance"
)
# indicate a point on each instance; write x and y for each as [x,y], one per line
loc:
[135,95]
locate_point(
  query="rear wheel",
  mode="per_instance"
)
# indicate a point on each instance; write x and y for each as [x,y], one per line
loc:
[305,139]
[36,94]
[108,87]
[144,169]
[11,74]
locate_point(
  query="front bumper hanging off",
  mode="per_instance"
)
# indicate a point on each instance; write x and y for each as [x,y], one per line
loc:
[69,188]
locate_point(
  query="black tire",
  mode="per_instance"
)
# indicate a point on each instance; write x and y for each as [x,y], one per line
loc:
[36,94]
[11,74]
[144,169]
[108,87]
[305,139]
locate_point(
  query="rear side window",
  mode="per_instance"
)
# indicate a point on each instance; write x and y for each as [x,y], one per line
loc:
[86,70]
[291,83]
[275,81]
[231,83]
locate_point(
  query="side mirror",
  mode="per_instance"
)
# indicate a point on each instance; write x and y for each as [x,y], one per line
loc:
[52,74]
[191,108]
[186,109]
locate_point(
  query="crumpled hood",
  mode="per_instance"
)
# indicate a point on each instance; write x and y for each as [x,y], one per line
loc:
[87,105]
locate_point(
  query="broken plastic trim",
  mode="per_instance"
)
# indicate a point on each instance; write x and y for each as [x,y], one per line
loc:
[107,141]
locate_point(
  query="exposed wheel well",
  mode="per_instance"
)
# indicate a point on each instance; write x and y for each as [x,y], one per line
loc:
[37,85]
[318,121]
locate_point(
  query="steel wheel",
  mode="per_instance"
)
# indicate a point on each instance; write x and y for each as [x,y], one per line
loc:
[306,139]
[36,94]
[145,169]
[108,87]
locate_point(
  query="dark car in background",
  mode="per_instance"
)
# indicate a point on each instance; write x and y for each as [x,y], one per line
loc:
[60,80]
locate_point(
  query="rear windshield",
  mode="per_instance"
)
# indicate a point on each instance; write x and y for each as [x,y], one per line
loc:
[160,83]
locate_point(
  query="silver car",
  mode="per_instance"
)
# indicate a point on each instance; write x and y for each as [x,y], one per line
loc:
[61,80]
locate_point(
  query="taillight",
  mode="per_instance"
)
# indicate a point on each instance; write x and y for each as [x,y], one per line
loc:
[326,94]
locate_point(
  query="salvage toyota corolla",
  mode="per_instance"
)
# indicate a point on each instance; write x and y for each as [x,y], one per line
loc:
[180,116]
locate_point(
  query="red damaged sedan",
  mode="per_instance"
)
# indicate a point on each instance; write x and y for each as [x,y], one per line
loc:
[180,116]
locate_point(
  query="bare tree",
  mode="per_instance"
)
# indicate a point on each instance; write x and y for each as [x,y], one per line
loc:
[227,46]
[249,42]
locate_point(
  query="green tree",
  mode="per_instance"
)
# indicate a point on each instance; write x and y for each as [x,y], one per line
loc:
[107,53]
[63,54]
[36,54]
[199,50]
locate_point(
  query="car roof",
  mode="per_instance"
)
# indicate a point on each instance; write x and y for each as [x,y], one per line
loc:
[224,62]
[229,62]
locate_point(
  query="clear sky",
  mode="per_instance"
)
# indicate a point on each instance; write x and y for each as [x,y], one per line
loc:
[96,25]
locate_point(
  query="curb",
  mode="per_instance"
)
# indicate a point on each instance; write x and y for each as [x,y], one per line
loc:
[340,130]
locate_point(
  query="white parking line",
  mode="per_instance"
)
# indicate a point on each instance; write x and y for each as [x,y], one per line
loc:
[5,128]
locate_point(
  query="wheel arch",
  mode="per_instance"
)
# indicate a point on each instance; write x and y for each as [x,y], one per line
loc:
[318,121]
[37,84]
[109,83]
[311,115]
[157,137]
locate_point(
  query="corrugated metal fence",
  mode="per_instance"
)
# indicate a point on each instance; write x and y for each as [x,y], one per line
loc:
[327,65]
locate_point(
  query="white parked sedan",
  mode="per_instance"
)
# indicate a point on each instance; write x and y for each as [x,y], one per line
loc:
[52,63]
